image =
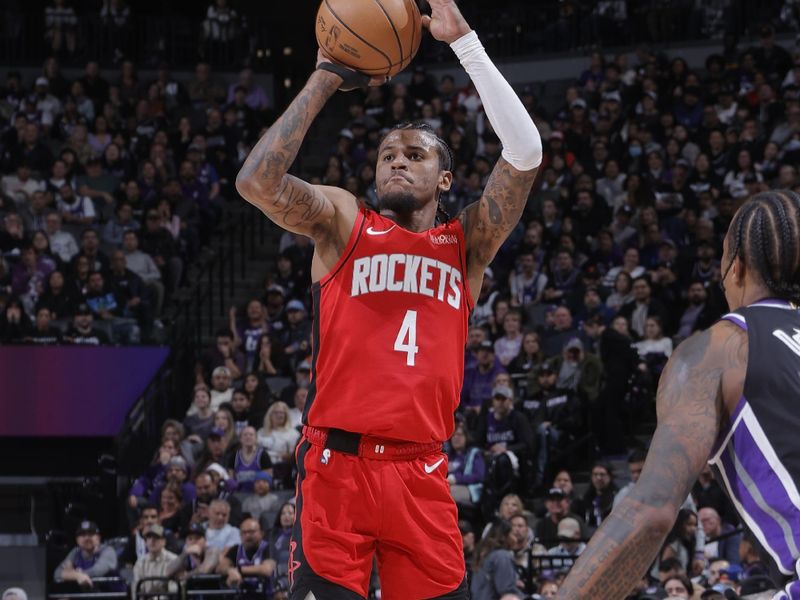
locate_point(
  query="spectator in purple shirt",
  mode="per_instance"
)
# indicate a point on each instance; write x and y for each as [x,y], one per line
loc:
[256,96]
[28,277]
[466,468]
[478,380]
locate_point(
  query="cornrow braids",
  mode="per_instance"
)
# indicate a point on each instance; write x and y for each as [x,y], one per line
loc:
[767,238]
[442,149]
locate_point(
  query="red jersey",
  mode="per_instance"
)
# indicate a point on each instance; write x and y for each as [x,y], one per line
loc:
[390,326]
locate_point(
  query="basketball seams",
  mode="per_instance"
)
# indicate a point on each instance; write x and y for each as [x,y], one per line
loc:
[394,30]
[354,50]
[361,39]
[414,12]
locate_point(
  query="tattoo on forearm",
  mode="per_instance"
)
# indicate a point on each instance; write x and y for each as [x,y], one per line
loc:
[296,203]
[689,412]
[287,200]
[489,221]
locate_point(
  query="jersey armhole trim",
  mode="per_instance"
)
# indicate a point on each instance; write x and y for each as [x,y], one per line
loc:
[355,235]
[462,257]
[735,318]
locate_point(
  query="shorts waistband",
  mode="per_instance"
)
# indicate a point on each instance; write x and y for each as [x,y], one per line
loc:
[367,446]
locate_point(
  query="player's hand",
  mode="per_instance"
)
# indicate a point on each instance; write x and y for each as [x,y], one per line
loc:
[356,81]
[446,22]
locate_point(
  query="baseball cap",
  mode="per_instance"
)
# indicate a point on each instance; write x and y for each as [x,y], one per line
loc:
[555,493]
[263,476]
[216,432]
[346,133]
[569,528]
[15,592]
[546,367]
[276,289]
[178,462]
[42,81]
[87,527]
[295,305]
[83,309]
[612,97]
[574,344]
[155,530]
[733,572]
[557,135]
[486,345]
[578,103]
[195,529]
[304,366]
[502,391]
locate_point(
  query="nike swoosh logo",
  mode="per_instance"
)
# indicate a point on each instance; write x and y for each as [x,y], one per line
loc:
[431,468]
[371,231]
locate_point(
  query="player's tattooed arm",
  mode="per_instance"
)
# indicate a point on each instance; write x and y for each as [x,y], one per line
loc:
[264,180]
[690,409]
[489,221]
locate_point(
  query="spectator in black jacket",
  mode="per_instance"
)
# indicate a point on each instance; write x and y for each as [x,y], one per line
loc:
[159,243]
[700,313]
[643,306]
[619,361]
[554,413]
[599,498]
[127,286]
[507,436]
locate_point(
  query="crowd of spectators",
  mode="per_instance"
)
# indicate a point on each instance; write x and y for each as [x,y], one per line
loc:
[615,261]
[109,187]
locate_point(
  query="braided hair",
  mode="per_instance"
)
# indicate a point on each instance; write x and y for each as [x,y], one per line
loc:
[446,160]
[765,234]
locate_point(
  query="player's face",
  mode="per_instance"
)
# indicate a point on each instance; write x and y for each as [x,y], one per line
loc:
[408,175]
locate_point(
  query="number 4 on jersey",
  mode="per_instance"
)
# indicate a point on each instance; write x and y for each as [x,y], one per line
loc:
[407,337]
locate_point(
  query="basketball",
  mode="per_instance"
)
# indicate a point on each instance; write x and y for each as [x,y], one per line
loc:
[375,37]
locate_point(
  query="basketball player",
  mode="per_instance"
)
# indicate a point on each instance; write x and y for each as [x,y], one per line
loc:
[392,292]
[729,396]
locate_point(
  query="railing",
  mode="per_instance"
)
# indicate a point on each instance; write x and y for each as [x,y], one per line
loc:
[102,587]
[198,307]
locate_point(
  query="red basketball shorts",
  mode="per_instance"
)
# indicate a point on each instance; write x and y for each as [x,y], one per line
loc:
[352,508]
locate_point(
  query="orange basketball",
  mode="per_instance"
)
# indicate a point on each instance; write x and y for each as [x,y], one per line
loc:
[376,37]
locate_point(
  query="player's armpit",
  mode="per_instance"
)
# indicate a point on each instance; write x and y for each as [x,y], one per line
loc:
[489,221]
[690,408]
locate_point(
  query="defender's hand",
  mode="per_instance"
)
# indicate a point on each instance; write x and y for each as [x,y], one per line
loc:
[446,22]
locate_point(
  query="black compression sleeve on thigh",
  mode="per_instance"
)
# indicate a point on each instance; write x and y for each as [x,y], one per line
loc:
[322,589]
[460,593]
[352,80]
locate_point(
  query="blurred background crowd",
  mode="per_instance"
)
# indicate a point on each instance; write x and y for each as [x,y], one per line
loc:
[113,185]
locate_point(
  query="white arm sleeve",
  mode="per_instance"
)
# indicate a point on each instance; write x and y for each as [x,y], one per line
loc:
[522,144]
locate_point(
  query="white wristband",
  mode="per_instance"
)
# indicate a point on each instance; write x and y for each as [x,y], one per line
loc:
[522,144]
